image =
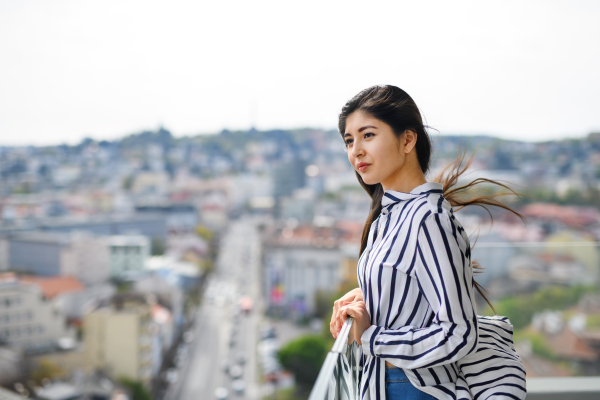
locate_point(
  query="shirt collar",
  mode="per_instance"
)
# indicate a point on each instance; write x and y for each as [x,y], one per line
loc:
[392,197]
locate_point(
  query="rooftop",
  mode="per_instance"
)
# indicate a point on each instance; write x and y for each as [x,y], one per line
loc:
[54,285]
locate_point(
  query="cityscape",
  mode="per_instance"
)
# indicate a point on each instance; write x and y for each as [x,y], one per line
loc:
[163,267]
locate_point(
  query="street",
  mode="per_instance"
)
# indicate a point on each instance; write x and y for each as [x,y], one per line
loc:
[222,332]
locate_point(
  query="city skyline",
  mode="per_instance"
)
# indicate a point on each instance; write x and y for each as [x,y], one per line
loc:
[107,70]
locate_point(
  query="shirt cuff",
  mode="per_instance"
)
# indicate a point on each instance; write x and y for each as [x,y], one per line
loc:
[368,339]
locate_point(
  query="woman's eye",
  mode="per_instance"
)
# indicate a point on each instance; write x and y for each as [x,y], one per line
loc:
[368,134]
[349,142]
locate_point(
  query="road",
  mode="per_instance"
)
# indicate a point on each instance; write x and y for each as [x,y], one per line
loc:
[237,273]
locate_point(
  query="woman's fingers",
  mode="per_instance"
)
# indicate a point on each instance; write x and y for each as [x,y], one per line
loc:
[358,311]
[337,316]
[334,316]
[348,308]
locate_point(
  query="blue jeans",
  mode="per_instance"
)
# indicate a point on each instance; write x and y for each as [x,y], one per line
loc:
[398,387]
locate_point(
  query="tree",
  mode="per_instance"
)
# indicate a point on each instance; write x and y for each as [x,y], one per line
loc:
[157,247]
[304,358]
[520,309]
[47,369]
[138,391]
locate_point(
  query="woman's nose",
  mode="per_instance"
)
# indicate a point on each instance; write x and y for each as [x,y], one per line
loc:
[357,150]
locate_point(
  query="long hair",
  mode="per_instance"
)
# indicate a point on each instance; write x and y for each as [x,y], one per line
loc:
[396,108]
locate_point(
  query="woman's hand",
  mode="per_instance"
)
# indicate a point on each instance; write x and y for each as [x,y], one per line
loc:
[353,295]
[351,304]
[362,320]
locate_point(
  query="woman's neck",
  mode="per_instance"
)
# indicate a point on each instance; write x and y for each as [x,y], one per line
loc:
[409,178]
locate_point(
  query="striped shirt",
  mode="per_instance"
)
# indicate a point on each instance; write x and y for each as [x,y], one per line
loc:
[417,282]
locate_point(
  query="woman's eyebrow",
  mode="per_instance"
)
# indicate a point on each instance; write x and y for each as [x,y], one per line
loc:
[366,127]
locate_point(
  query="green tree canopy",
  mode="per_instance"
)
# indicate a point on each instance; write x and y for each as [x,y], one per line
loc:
[304,358]
[520,309]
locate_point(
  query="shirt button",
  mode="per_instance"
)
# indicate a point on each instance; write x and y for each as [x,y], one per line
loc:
[385,211]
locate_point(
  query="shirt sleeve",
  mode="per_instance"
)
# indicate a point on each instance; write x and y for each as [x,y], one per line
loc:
[443,273]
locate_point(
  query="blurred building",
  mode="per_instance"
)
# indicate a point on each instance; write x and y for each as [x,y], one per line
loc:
[59,254]
[11,366]
[119,337]
[304,260]
[169,294]
[184,274]
[92,259]
[287,177]
[128,254]
[151,225]
[179,217]
[570,339]
[75,304]
[28,320]
[300,205]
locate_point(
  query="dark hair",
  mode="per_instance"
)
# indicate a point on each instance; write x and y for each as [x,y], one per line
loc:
[396,108]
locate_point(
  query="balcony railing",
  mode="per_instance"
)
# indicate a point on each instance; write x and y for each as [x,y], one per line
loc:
[340,374]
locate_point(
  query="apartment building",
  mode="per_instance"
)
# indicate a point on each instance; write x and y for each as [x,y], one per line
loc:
[28,320]
[54,254]
[118,337]
[91,259]
[128,254]
[299,263]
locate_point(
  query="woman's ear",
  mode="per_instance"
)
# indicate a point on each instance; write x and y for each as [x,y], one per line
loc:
[409,140]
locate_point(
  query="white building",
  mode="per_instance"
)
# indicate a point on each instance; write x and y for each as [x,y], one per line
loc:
[27,320]
[299,263]
[295,275]
[128,254]
[79,254]
[90,258]
[86,257]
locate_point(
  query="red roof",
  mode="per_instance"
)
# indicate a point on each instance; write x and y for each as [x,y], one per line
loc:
[54,285]
[569,215]
[568,345]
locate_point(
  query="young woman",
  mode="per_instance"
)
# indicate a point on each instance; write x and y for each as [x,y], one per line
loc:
[414,312]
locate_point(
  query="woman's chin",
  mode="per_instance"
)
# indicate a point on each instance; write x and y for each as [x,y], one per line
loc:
[370,181]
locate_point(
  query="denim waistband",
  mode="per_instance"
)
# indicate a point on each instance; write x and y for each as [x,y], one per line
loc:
[394,373]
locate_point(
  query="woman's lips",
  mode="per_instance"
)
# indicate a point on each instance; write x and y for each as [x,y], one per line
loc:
[363,166]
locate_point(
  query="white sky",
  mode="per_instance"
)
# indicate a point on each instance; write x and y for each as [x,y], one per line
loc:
[515,69]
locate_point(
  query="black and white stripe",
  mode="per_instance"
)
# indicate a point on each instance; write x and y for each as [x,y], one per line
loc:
[417,283]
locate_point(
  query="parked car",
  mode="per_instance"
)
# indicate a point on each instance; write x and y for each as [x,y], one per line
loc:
[171,375]
[238,386]
[236,371]
[221,393]
[268,333]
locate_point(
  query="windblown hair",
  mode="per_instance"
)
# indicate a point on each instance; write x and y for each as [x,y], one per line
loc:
[396,108]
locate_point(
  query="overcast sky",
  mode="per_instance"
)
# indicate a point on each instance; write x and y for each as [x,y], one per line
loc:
[103,69]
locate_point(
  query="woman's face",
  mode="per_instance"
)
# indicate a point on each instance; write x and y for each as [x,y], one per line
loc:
[374,151]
